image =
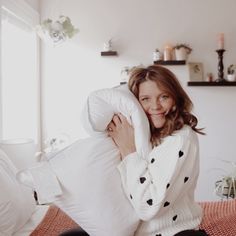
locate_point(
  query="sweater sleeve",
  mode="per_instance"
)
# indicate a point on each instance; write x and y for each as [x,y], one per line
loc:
[152,185]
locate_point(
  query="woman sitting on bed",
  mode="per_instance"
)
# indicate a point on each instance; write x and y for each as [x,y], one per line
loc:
[161,187]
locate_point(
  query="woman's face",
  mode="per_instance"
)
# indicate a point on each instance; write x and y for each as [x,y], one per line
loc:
[155,102]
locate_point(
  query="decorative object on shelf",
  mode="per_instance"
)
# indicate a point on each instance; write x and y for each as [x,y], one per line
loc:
[220,51]
[56,31]
[168,52]
[231,73]
[182,51]
[107,46]
[226,187]
[195,71]
[209,77]
[125,72]
[220,78]
[107,49]
[53,145]
[220,41]
[157,55]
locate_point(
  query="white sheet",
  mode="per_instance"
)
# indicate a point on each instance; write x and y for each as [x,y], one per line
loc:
[33,222]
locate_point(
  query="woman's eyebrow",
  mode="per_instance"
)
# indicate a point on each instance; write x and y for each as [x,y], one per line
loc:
[143,95]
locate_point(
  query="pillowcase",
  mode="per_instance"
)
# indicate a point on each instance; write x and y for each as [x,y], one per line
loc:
[16,201]
[103,104]
[92,193]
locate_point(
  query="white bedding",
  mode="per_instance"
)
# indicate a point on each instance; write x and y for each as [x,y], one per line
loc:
[92,162]
[33,222]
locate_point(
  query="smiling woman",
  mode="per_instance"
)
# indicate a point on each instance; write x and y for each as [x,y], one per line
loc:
[163,196]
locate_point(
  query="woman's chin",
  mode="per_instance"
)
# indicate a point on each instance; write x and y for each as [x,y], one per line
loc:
[158,124]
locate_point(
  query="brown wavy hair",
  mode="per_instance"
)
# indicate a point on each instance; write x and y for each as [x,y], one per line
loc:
[180,114]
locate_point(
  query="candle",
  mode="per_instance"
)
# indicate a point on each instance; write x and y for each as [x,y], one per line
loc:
[167,53]
[220,41]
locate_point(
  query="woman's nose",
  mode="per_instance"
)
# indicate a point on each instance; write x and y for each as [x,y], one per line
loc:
[155,104]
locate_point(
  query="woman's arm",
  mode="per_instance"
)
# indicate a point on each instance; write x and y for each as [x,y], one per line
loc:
[168,173]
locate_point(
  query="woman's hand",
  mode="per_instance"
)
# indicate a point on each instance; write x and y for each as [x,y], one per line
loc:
[122,133]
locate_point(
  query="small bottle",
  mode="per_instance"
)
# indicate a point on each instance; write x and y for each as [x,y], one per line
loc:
[157,55]
[209,77]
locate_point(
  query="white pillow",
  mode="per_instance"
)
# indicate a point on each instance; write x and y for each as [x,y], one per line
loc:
[103,104]
[92,191]
[87,170]
[16,201]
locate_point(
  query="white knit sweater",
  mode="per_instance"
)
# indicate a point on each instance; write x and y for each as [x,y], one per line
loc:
[161,187]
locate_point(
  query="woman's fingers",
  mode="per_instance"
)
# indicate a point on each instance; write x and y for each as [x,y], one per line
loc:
[116,120]
[111,126]
[122,118]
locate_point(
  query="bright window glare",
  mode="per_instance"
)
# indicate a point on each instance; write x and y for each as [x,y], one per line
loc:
[19,82]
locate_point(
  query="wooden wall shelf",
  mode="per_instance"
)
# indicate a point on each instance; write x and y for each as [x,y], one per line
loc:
[109,53]
[206,83]
[170,63]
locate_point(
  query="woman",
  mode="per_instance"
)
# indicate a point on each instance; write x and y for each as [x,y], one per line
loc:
[161,187]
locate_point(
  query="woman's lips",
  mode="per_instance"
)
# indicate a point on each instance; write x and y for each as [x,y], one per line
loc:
[157,115]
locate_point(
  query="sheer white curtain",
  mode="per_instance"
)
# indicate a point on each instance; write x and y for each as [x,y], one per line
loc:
[20,104]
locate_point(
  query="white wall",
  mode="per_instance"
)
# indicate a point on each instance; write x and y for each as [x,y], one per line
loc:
[70,71]
[33,3]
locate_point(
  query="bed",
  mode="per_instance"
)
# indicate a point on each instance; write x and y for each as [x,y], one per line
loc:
[219,220]
[20,216]
[219,217]
[46,220]
[19,213]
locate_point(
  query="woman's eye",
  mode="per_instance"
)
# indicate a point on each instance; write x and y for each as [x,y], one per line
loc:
[144,99]
[164,97]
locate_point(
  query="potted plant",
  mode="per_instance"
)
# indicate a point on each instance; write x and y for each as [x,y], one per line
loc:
[226,186]
[182,51]
[56,31]
[231,72]
[125,72]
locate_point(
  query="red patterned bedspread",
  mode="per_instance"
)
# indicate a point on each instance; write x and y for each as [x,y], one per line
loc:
[54,222]
[219,220]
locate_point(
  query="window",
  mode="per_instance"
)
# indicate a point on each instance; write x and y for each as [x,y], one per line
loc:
[19,78]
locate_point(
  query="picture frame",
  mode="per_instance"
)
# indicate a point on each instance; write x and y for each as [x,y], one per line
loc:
[195,71]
